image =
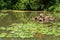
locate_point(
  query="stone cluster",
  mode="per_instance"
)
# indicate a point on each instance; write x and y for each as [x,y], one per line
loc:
[42,18]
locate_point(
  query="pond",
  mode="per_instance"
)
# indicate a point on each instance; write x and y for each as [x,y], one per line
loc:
[21,26]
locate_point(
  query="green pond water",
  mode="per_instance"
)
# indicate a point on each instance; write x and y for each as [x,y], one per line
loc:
[9,20]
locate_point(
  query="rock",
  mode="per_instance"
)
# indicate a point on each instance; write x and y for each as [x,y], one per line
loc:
[42,18]
[42,15]
[48,18]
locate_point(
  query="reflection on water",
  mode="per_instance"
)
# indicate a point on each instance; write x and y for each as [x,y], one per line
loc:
[16,17]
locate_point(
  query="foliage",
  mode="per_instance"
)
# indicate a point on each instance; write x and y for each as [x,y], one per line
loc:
[2,4]
[30,4]
[27,5]
[55,6]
